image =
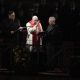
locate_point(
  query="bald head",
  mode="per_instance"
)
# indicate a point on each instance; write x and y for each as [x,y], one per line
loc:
[52,20]
[35,19]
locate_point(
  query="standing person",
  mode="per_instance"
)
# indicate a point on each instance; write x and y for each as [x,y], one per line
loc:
[11,38]
[51,39]
[11,28]
[34,27]
[34,41]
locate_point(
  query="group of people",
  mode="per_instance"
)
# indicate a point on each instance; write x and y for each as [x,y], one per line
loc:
[35,37]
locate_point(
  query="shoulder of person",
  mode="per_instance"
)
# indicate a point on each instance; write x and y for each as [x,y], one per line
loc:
[56,26]
[28,24]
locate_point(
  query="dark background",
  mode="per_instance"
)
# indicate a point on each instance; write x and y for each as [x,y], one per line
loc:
[67,13]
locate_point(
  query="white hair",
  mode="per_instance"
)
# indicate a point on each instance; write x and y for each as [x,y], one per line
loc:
[52,18]
[34,18]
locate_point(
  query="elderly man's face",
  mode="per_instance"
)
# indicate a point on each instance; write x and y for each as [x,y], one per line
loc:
[35,19]
[52,21]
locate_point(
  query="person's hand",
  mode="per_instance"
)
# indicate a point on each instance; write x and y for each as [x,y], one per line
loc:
[12,32]
[37,23]
[20,28]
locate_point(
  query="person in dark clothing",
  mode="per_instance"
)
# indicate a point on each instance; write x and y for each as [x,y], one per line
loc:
[11,28]
[11,38]
[52,41]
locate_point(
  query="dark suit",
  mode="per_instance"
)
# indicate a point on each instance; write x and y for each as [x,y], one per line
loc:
[52,41]
[10,41]
[10,25]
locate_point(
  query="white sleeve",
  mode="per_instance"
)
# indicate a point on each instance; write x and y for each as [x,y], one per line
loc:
[41,27]
[29,28]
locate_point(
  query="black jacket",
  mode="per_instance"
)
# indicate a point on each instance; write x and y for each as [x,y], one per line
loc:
[52,35]
[9,26]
